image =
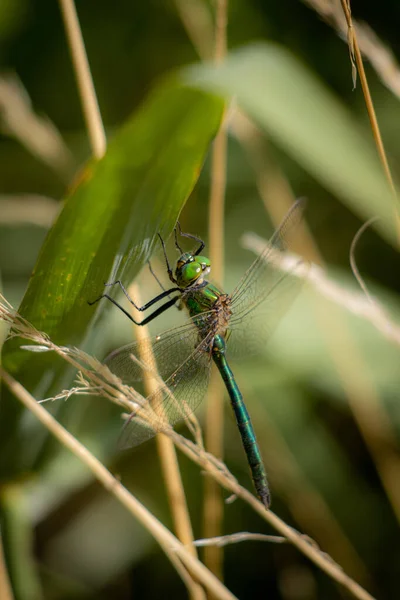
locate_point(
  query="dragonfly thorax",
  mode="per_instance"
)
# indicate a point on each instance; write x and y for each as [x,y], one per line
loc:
[191,269]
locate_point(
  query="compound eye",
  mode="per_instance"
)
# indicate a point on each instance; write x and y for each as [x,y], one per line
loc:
[191,271]
[204,261]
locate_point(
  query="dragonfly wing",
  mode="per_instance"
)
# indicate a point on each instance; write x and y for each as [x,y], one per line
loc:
[183,365]
[169,349]
[265,292]
[250,327]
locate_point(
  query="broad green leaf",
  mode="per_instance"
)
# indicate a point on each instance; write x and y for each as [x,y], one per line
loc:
[110,221]
[303,117]
[109,224]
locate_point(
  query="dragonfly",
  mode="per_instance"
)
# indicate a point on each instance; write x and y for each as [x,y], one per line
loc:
[219,326]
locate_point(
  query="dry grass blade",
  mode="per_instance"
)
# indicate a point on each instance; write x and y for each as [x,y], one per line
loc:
[37,133]
[356,59]
[243,536]
[315,276]
[28,208]
[86,88]
[380,57]
[173,548]
[98,376]
[353,262]
[213,505]
[168,460]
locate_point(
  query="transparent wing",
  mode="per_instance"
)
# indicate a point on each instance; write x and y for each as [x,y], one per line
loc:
[249,329]
[183,364]
[265,292]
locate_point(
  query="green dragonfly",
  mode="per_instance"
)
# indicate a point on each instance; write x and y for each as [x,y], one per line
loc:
[219,323]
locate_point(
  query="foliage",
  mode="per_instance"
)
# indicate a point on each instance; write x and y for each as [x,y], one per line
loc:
[323,392]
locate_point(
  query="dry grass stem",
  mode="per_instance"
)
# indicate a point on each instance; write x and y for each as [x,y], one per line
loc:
[28,208]
[37,133]
[97,375]
[98,141]
[171,545]
[213,504]
[197,21]
[243,536]
[86,88]
[361,40]
[381,58]
[355,54]
[364,401]
[167,456]
[305,503]
[370,416]
[353,262]
[354,302]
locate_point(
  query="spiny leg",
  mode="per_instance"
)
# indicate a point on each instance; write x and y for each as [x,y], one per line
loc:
[140,308]
[170,274]
[191,236]
[153,315]
[155,276]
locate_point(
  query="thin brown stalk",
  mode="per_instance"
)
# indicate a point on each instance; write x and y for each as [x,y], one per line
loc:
[221,26]
[213,504]
[372,419]
[37,133]
[362,305]
[169,460]
[197,21]
[364,400]
[98,141]
[353,261]
[273,187]
[86,88]
[380,56]
[242,536]
[28,208]
[306,503]
[100,380]
[170,544]
[303,543]
[213,514]
[355,52]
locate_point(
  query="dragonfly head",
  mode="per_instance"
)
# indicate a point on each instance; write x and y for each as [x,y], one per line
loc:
[191,269]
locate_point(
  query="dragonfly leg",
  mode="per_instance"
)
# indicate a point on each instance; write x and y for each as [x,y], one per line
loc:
[188,235]
[155,276]
[123,288]
[177,246]
[153,315]
[170,274]
[141,308]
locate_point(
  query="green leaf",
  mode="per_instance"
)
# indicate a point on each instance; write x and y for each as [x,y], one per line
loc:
[305,119]
[109,224]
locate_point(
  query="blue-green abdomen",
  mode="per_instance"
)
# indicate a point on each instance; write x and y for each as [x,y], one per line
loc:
[243,420]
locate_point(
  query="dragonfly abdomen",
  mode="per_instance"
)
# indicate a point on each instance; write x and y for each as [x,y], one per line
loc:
[244,423]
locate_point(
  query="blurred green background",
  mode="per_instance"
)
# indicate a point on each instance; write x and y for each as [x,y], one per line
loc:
[315,134]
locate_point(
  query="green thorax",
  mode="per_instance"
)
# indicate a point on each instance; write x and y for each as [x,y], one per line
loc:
[201,299]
